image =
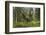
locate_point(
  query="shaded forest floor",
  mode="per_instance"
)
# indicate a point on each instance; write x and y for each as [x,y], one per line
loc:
[26,24]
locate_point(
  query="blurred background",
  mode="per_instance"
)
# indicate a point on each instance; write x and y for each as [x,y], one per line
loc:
[26,17]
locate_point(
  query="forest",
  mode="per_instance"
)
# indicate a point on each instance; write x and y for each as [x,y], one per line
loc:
[26,17]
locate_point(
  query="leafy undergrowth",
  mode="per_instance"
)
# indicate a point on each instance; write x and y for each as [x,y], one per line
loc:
[26,24]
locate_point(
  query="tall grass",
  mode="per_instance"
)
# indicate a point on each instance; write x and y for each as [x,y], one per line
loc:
[26,24]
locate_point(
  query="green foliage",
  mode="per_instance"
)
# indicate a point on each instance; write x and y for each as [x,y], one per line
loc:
[25,17]
[27,24]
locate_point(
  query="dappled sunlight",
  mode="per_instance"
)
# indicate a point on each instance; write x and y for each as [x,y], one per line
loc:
[26,17]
